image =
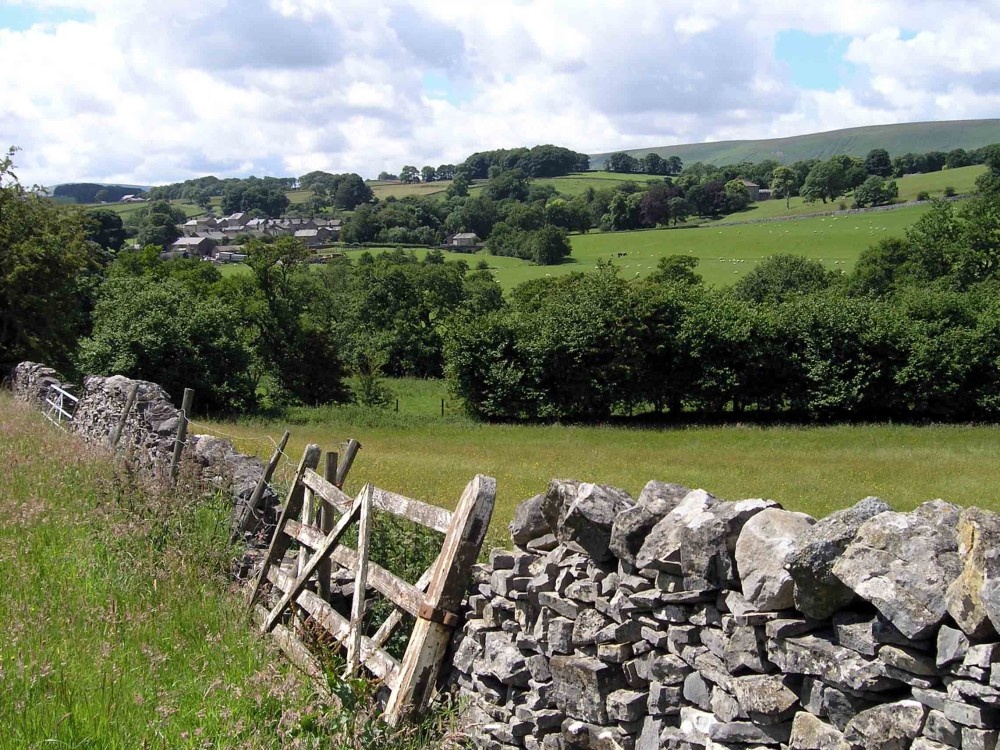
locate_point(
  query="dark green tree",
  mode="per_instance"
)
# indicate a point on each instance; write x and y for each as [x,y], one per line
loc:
[878,163]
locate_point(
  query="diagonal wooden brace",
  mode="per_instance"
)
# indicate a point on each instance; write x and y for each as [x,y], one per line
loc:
[319,556]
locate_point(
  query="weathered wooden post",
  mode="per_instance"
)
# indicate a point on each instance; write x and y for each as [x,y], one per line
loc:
[326,515]
[129,403]
[437,619]
[280,542]
[186,403]
[258,492]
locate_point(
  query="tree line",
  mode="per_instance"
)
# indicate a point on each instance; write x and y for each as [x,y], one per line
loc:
[912,333]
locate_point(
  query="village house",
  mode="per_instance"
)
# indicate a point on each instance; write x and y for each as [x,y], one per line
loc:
[193,246]
[463,239]
[753,188]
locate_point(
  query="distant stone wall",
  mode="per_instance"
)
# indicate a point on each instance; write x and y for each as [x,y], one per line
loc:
[678,620]
[149,433]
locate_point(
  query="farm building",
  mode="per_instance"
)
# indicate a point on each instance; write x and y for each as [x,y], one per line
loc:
[201,246]
[464,239]
[753,188]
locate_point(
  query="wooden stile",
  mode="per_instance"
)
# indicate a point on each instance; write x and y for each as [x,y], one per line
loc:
[433,600]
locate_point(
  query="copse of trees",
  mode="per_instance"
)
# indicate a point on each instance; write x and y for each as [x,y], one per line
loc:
[538,161]
[88,192]
[651,164]
[342,191]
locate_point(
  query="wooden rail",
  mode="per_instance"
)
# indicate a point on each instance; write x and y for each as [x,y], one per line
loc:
[433,600]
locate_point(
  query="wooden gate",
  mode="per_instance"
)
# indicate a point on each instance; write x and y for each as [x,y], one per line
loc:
[433,600]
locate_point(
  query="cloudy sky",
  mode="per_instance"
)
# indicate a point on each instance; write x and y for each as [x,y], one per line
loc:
[154,91]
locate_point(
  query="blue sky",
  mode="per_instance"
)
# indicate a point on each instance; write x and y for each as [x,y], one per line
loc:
[20,17]
[153,91]
[815,61]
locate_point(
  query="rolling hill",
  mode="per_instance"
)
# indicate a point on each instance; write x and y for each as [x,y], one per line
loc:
[901,138]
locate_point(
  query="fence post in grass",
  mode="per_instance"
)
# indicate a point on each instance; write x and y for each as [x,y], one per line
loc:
[326,524]
[129,403]
[350,453]
[442,407]
[182,427]
[258,492]
[437,618]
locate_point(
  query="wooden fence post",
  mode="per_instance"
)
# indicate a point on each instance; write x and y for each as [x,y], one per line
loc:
[280,542]
[129,403]
[258,492]
[182,426]
[350,453]
[433,629]
[360,582]
[326,523]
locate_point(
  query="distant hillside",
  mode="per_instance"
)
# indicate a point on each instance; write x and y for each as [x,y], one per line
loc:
[86,192]
[915,137]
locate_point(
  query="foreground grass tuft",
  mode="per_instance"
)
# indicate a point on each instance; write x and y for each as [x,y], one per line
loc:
[121,629]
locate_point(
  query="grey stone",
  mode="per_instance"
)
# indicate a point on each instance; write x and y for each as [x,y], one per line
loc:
[952,646]
[765,698]
[966,714]
[587,519]
[662,548]
[581,686]
[838,706]
[708,541]
[587,625]
[664,700]
[903,564]
[626,705]
[762,551]
[907,660]
[841,667]
[725,706]
[818,592]
[745,732]
[866,633]
[559,635]
[559,493]
[633,525]
[810,733]
[698,691]
[746,651]
[979,739]
[649,737]
[544,543]
[923,743]
[940,728]
[892,726]
[978,533]
[529,521]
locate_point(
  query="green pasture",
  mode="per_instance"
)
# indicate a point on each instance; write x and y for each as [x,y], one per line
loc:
[383,190]
[811,469]
[963,180]
[725,252]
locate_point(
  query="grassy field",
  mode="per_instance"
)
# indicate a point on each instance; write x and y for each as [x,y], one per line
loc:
[725,252]
[383,190]
[812,469]
[126,209]
[119,628]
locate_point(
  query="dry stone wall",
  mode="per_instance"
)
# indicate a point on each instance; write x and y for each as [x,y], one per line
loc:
[679,620]
[149,433]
